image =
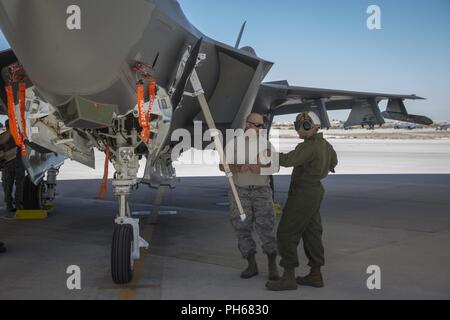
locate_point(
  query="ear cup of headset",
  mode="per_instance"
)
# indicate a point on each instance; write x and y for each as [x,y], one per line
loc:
[307,125]
[307,121]
[303,124]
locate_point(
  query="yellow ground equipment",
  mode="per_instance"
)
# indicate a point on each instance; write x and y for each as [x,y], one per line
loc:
[31,214]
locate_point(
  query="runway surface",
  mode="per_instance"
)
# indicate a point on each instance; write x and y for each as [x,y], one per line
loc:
[399,222]
[356,156]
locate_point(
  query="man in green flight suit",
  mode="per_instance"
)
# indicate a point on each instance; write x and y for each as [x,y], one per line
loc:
[312,160]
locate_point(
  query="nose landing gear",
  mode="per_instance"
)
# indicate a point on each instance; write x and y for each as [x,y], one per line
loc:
[126,242]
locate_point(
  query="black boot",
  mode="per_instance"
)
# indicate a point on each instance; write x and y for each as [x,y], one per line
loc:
[286,282]
[273,270]
[252,269]
[2,247]
[10,207]
[313,279]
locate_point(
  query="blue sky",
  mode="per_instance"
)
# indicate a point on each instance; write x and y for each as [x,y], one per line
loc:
[325,43]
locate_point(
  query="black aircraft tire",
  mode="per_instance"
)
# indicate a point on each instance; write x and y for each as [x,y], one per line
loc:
[32,195]
[121,263]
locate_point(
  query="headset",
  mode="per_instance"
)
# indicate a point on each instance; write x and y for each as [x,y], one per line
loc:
[305,122]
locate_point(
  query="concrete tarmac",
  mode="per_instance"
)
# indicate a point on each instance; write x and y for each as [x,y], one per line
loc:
[356,156]
[400,223]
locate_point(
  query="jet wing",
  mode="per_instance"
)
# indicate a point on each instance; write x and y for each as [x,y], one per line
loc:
[279,98]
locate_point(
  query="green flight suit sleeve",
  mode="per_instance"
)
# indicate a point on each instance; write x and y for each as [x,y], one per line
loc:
[334,160]
[303,154]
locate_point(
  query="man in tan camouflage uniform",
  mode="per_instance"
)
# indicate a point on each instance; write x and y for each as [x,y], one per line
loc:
[256,196]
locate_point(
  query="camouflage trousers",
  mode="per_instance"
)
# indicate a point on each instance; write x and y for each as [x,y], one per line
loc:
[259,207]
[13,173]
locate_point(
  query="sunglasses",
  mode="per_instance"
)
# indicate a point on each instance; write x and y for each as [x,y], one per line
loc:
[257,125]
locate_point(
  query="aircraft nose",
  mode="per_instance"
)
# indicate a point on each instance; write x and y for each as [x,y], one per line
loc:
[74,46]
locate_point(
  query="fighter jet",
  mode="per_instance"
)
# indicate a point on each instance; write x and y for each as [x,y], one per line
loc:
[121,76]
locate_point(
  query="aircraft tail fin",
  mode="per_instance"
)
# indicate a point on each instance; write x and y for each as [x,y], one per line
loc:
[238,42]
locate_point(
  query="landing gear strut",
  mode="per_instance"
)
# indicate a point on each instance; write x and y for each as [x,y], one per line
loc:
[126,242]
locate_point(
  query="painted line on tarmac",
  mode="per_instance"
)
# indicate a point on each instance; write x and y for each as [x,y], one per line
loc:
[129,292]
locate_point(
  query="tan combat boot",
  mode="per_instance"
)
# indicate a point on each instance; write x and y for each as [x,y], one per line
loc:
[286,282]
[313,279]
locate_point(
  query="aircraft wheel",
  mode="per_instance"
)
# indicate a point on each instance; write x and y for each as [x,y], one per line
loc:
[121,250]
[32,195]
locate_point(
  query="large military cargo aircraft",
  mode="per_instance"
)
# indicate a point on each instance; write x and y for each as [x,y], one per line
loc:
[115,75]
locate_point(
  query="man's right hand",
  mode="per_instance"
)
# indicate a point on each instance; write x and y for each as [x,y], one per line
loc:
[234,168]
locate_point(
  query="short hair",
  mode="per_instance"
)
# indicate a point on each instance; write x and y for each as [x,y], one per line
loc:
[257,113]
